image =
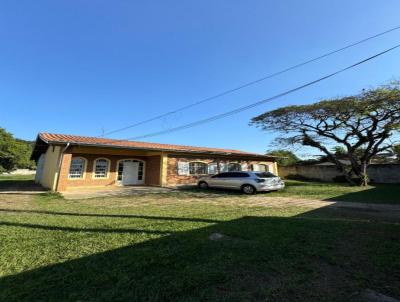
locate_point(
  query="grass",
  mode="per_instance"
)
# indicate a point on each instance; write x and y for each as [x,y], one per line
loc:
[16,177]
[157,248]
[18,183]
[379,193]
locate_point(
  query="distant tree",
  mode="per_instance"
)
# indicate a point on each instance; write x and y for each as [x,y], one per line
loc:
[396,151]
[360,124]
[339,151]
[14,153]
[287,158]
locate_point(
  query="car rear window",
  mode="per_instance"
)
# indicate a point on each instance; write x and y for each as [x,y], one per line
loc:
[265,175]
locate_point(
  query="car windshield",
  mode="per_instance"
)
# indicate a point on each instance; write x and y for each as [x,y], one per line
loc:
[265,175]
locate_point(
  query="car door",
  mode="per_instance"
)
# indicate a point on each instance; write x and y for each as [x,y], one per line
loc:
[218,180]
[236,180]
[226,180]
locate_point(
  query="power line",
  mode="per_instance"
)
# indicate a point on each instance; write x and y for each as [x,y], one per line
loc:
[250,83]
[258,103]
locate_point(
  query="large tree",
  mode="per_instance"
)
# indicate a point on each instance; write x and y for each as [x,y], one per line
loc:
[285,157]
[396,151]
[14,153]
[361,124]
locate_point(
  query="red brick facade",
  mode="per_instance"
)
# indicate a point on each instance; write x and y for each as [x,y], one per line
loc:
[151,170]
[173,178]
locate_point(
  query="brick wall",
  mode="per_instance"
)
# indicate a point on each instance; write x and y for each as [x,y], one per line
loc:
[174,179]
[152,171]
[152,174]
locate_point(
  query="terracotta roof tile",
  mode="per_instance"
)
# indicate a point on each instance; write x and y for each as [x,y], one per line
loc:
[96,141]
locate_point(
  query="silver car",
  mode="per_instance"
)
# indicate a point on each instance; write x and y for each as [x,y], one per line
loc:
[247,182]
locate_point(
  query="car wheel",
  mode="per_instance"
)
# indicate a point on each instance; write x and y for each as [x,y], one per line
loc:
[203,185]
[248,189]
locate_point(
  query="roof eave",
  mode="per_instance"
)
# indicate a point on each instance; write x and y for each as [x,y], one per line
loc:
[156,149]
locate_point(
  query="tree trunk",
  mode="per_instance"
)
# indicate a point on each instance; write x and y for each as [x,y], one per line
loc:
[364,174]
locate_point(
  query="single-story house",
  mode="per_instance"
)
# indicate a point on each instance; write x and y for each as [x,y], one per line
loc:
[65,161]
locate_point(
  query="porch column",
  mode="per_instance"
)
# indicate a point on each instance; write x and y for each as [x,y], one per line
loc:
[163,169]
[63,173]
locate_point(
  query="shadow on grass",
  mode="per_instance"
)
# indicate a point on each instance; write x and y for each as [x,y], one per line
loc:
[208,191]
[21,185]
[109,215]
[217,192]
[282,259]
[379,193]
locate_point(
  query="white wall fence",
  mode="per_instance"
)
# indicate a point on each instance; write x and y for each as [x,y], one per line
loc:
[378,173]
[21,172]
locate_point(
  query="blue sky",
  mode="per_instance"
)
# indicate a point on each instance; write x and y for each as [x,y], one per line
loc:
[81,67]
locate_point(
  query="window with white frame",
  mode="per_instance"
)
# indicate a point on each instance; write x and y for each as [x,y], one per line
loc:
[101,168]
[198,168]
[212,168]
[234,167]
[259,168]
[77,167]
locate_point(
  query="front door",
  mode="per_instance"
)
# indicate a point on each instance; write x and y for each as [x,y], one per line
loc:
[130,173]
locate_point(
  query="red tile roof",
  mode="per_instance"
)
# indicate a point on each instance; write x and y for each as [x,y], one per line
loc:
[106,142]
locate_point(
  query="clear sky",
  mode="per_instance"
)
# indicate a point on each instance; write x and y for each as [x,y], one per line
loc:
[81,67]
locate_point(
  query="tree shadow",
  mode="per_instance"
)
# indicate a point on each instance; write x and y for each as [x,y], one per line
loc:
[22,185]
[190,219]
[280,258]
[379,194]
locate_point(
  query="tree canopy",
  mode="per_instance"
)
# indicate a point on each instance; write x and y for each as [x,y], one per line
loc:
[359,125]
[286,157]
[14,153]
[396,150]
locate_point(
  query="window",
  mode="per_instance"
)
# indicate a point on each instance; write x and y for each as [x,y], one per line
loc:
[77,167]
[120,169]
[101,168]
[259,168]
[231,175]
[212,168]
[265,175]
[233,167]
[140,172]
[197,168]
[239,174]
[222,175]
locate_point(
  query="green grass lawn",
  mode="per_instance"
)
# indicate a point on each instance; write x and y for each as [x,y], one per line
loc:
[4,177]
[157,248]
[380,193]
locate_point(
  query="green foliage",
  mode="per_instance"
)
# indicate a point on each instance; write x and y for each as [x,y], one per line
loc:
[14,153]
[287,158]
[339,150]
[361,125]
[396,150]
